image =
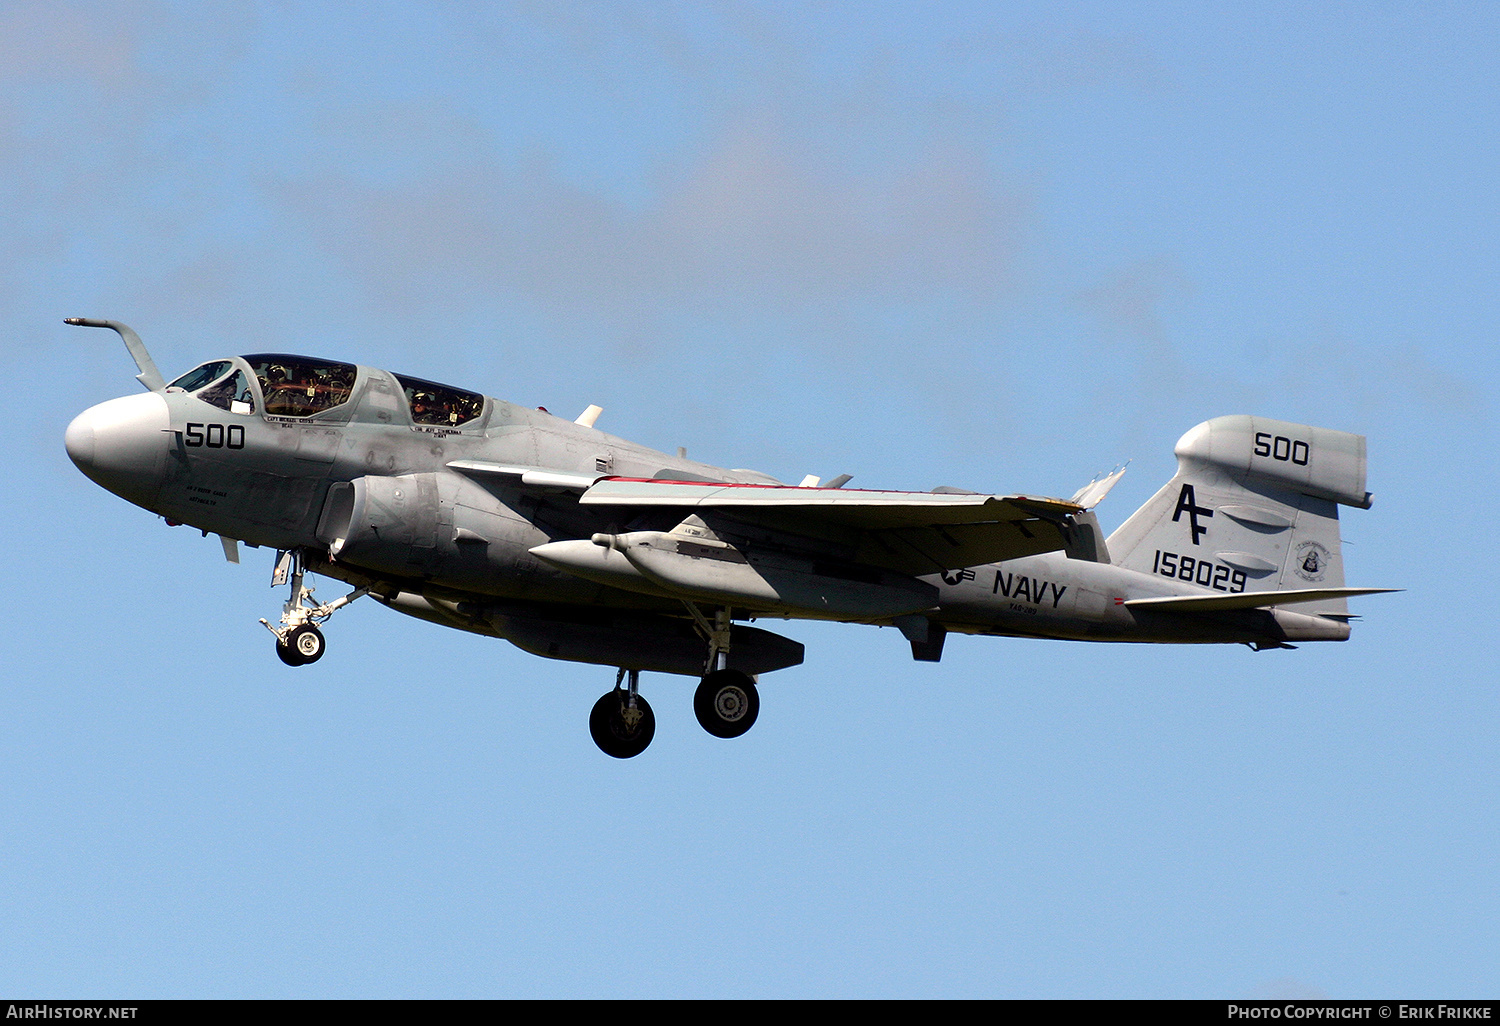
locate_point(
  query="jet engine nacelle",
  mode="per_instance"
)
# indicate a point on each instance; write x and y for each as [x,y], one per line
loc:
[387,524]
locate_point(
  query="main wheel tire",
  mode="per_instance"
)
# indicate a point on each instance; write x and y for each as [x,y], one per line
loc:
[618,730]
[726,703]
[288,655]
[307,642]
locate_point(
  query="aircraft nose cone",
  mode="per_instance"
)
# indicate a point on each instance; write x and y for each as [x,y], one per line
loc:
[121,445]
[79,439]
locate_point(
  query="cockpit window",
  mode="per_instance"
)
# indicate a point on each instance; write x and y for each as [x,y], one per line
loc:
[440,405]
[295,386]
[200,376]
[232,394]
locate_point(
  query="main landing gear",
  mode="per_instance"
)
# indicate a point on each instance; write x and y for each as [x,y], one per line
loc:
[622,721]
[726,701]
[298,640]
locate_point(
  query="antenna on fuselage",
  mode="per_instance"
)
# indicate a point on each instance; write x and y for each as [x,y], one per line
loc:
[149,375]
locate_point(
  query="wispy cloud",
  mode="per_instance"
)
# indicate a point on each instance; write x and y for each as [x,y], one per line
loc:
[755,219]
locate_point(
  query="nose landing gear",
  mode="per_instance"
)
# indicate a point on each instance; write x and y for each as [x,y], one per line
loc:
[303,645]
[298,640]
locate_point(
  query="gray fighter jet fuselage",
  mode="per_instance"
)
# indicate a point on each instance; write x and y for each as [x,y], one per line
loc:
[476,513]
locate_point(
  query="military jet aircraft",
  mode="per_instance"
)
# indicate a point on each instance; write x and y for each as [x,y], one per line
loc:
[475,513]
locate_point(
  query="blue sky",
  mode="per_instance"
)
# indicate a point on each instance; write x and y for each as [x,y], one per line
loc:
[991,246]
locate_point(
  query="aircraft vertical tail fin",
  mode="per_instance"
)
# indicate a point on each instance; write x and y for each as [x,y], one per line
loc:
[1254,506]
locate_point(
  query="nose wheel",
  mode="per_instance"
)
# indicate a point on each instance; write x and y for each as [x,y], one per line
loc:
[622,722]
[303,645]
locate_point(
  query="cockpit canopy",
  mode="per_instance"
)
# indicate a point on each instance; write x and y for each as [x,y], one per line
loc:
[299,386]
[439,405]
[219,383]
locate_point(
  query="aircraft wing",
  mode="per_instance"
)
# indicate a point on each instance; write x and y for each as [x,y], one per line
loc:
[908,532]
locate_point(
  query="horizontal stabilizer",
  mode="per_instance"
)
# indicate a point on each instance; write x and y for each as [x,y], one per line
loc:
[1248,600]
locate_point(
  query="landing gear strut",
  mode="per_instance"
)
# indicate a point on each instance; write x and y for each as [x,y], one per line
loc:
[622,722]
[298,640]
[726,702]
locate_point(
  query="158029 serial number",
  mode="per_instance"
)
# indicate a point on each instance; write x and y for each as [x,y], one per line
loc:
[1199,571]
